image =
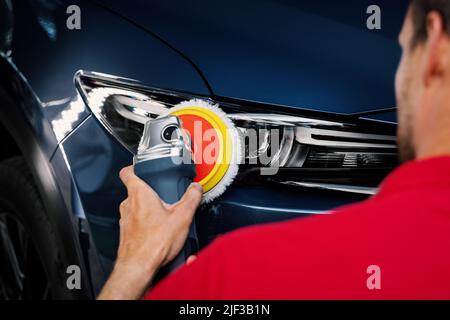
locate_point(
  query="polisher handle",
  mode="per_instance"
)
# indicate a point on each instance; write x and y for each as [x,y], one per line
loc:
[170,179]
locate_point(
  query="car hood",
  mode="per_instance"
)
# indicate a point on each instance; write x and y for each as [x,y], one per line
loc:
[308,54]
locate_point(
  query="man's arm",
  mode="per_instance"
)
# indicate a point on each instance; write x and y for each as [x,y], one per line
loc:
[151,234]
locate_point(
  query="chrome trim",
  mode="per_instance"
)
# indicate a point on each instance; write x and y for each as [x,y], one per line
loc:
[282,120]
[294,211]
[306,136]
[333,187]
[284,152]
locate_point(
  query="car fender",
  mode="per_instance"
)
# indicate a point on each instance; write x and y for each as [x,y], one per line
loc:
[21,115]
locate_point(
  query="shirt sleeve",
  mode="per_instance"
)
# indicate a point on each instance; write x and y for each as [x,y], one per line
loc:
[199,280]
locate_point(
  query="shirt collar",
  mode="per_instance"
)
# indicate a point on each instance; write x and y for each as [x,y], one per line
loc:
[418,174]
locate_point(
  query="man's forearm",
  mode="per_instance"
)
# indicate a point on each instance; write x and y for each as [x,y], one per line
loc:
[152,233]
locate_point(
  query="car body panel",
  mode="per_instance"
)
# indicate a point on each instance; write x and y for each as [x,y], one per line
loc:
[388,116]
[6,26]
[273,51]
[61,53]
[21,115]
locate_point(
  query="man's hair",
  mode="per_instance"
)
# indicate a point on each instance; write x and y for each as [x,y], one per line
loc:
[419,12]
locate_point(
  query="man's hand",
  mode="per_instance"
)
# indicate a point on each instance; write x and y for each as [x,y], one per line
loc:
[152,233]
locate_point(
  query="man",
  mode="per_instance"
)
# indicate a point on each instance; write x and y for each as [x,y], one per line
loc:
[394,245]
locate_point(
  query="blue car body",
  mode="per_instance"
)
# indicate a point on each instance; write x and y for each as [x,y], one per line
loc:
[312,56]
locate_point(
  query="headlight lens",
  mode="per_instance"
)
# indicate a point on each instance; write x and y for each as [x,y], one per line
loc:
[308,151]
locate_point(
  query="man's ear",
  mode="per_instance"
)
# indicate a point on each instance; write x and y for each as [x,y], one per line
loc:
[435,58]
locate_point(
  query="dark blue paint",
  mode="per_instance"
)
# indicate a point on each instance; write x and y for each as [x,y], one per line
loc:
[389,117]
[309,54]
[105,44]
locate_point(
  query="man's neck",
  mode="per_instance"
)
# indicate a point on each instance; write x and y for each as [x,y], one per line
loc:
[435,143]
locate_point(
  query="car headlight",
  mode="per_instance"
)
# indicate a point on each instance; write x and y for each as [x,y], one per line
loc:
[311,151]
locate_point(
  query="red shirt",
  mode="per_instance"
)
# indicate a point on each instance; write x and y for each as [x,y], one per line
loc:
[404,231]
